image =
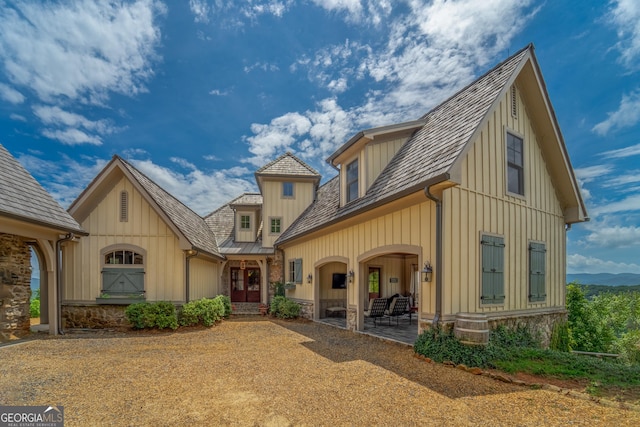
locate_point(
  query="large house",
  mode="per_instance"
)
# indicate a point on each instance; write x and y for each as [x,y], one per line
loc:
[478,194]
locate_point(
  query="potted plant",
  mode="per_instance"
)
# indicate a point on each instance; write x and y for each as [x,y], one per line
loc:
[264,309]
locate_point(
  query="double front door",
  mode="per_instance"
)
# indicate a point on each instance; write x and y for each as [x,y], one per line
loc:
[245,285]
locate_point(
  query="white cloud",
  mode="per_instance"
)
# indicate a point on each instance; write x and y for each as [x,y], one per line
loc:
[218,92]
[264,66]
[613,236]
[431,51]
[72,136]
[277,136]
[72,128]
[80,50]
[17,117]
[629,177]
[590,173]
[275,8]
[633,150]
[577,263]
[183,162]
[200,10]
[360,11]
[630,203]
[11,95]
[627,115]
[625,15]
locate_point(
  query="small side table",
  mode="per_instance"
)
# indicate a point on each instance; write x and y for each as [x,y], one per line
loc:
[412,310]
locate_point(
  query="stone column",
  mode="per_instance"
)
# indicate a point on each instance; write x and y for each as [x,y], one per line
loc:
[15,289]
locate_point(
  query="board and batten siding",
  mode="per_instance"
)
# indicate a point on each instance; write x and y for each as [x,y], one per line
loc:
[286,208]
[407,222]
[377,157]
[164,263]
[204,279]
[481,204]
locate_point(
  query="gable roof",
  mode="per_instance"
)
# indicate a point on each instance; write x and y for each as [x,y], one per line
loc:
[287,166]
[188,225]
[222,222]
[24,199]
[434,152]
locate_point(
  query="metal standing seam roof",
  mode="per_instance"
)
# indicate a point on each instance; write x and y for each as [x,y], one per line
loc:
[23,198]
[191,225]
[430,152]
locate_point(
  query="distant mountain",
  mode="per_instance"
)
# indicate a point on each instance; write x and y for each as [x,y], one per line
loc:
[607,279]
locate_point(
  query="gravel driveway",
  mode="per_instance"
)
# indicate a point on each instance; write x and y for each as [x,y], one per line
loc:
[252,371]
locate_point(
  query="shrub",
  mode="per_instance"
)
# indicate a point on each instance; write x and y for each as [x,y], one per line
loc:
[226,303]
[34,304]
[442,345]
[560,338]
[205,311]
[160,314]
[284,308]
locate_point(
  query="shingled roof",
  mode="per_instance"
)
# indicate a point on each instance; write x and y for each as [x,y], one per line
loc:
[24,199]
[426,156]
[221,222]
[287,165]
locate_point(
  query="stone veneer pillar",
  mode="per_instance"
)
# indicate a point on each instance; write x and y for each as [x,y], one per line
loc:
[15,287]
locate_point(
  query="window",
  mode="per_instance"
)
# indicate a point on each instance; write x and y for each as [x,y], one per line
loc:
[352,181]
[124,206]
[537,272]
[287,189]
[492,270]
[123,257]
[245,222]
[275,225]
[295,270]
[515,165]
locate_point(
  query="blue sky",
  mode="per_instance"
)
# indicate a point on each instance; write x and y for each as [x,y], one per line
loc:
[198,94]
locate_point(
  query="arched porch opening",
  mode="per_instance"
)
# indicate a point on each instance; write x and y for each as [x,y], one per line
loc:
[330,292]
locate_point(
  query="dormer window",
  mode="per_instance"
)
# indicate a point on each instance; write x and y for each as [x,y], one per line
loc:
[245,222]
[287,190]
[352,181]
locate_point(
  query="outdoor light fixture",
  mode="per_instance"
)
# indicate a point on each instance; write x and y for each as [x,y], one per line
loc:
[309,278]
[351,274]
[243,265]
[427,272]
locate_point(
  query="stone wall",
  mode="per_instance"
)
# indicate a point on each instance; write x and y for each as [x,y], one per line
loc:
[15,287]
[94,316]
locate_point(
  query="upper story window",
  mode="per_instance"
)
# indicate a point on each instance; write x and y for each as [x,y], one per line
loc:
[276,225]
[287,189]
[515,165]
[245,222]
[124,206]
[352,181]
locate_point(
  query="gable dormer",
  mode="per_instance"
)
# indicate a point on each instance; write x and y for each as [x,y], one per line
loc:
[247,217]
[363,158]
[288,186]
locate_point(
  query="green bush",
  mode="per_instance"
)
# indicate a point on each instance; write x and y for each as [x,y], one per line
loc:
[442,345]
[226,302]
[160,314]
[205,311]
[560,337]
[284,308]
[34,304]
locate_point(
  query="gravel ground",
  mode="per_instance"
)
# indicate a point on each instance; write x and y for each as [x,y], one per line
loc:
[252,371]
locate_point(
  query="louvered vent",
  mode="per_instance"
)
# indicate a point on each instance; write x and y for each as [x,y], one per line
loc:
[514,102]
[124,206]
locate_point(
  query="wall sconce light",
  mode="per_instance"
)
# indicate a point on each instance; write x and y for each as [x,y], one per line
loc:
[309,278]
[243,265]
[427,272]
[351,274]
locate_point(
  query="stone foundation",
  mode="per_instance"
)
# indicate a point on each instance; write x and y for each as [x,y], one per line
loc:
[94,316]
[540,324]
[352,319]
[15,287]
[306,309]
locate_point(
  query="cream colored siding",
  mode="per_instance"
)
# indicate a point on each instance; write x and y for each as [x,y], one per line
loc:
[164,264]
[481,204]
[204,279]
[325,281]
[378,155]
[286,208]
[400,227]
[246,235]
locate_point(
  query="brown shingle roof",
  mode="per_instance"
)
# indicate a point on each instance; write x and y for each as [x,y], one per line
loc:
[23,198]
[429,153]
[287,165]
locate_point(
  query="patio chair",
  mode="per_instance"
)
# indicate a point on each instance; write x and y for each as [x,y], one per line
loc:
[376,309]
[397,308]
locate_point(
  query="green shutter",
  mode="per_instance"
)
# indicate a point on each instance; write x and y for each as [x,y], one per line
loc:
[298,270]
[492,270]
[122,281]
[537,272]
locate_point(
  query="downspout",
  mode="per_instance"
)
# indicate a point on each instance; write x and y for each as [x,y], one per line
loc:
[190,254]
[438,202]
[59,242]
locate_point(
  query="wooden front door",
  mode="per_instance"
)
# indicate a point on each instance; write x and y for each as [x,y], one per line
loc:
[245,285]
